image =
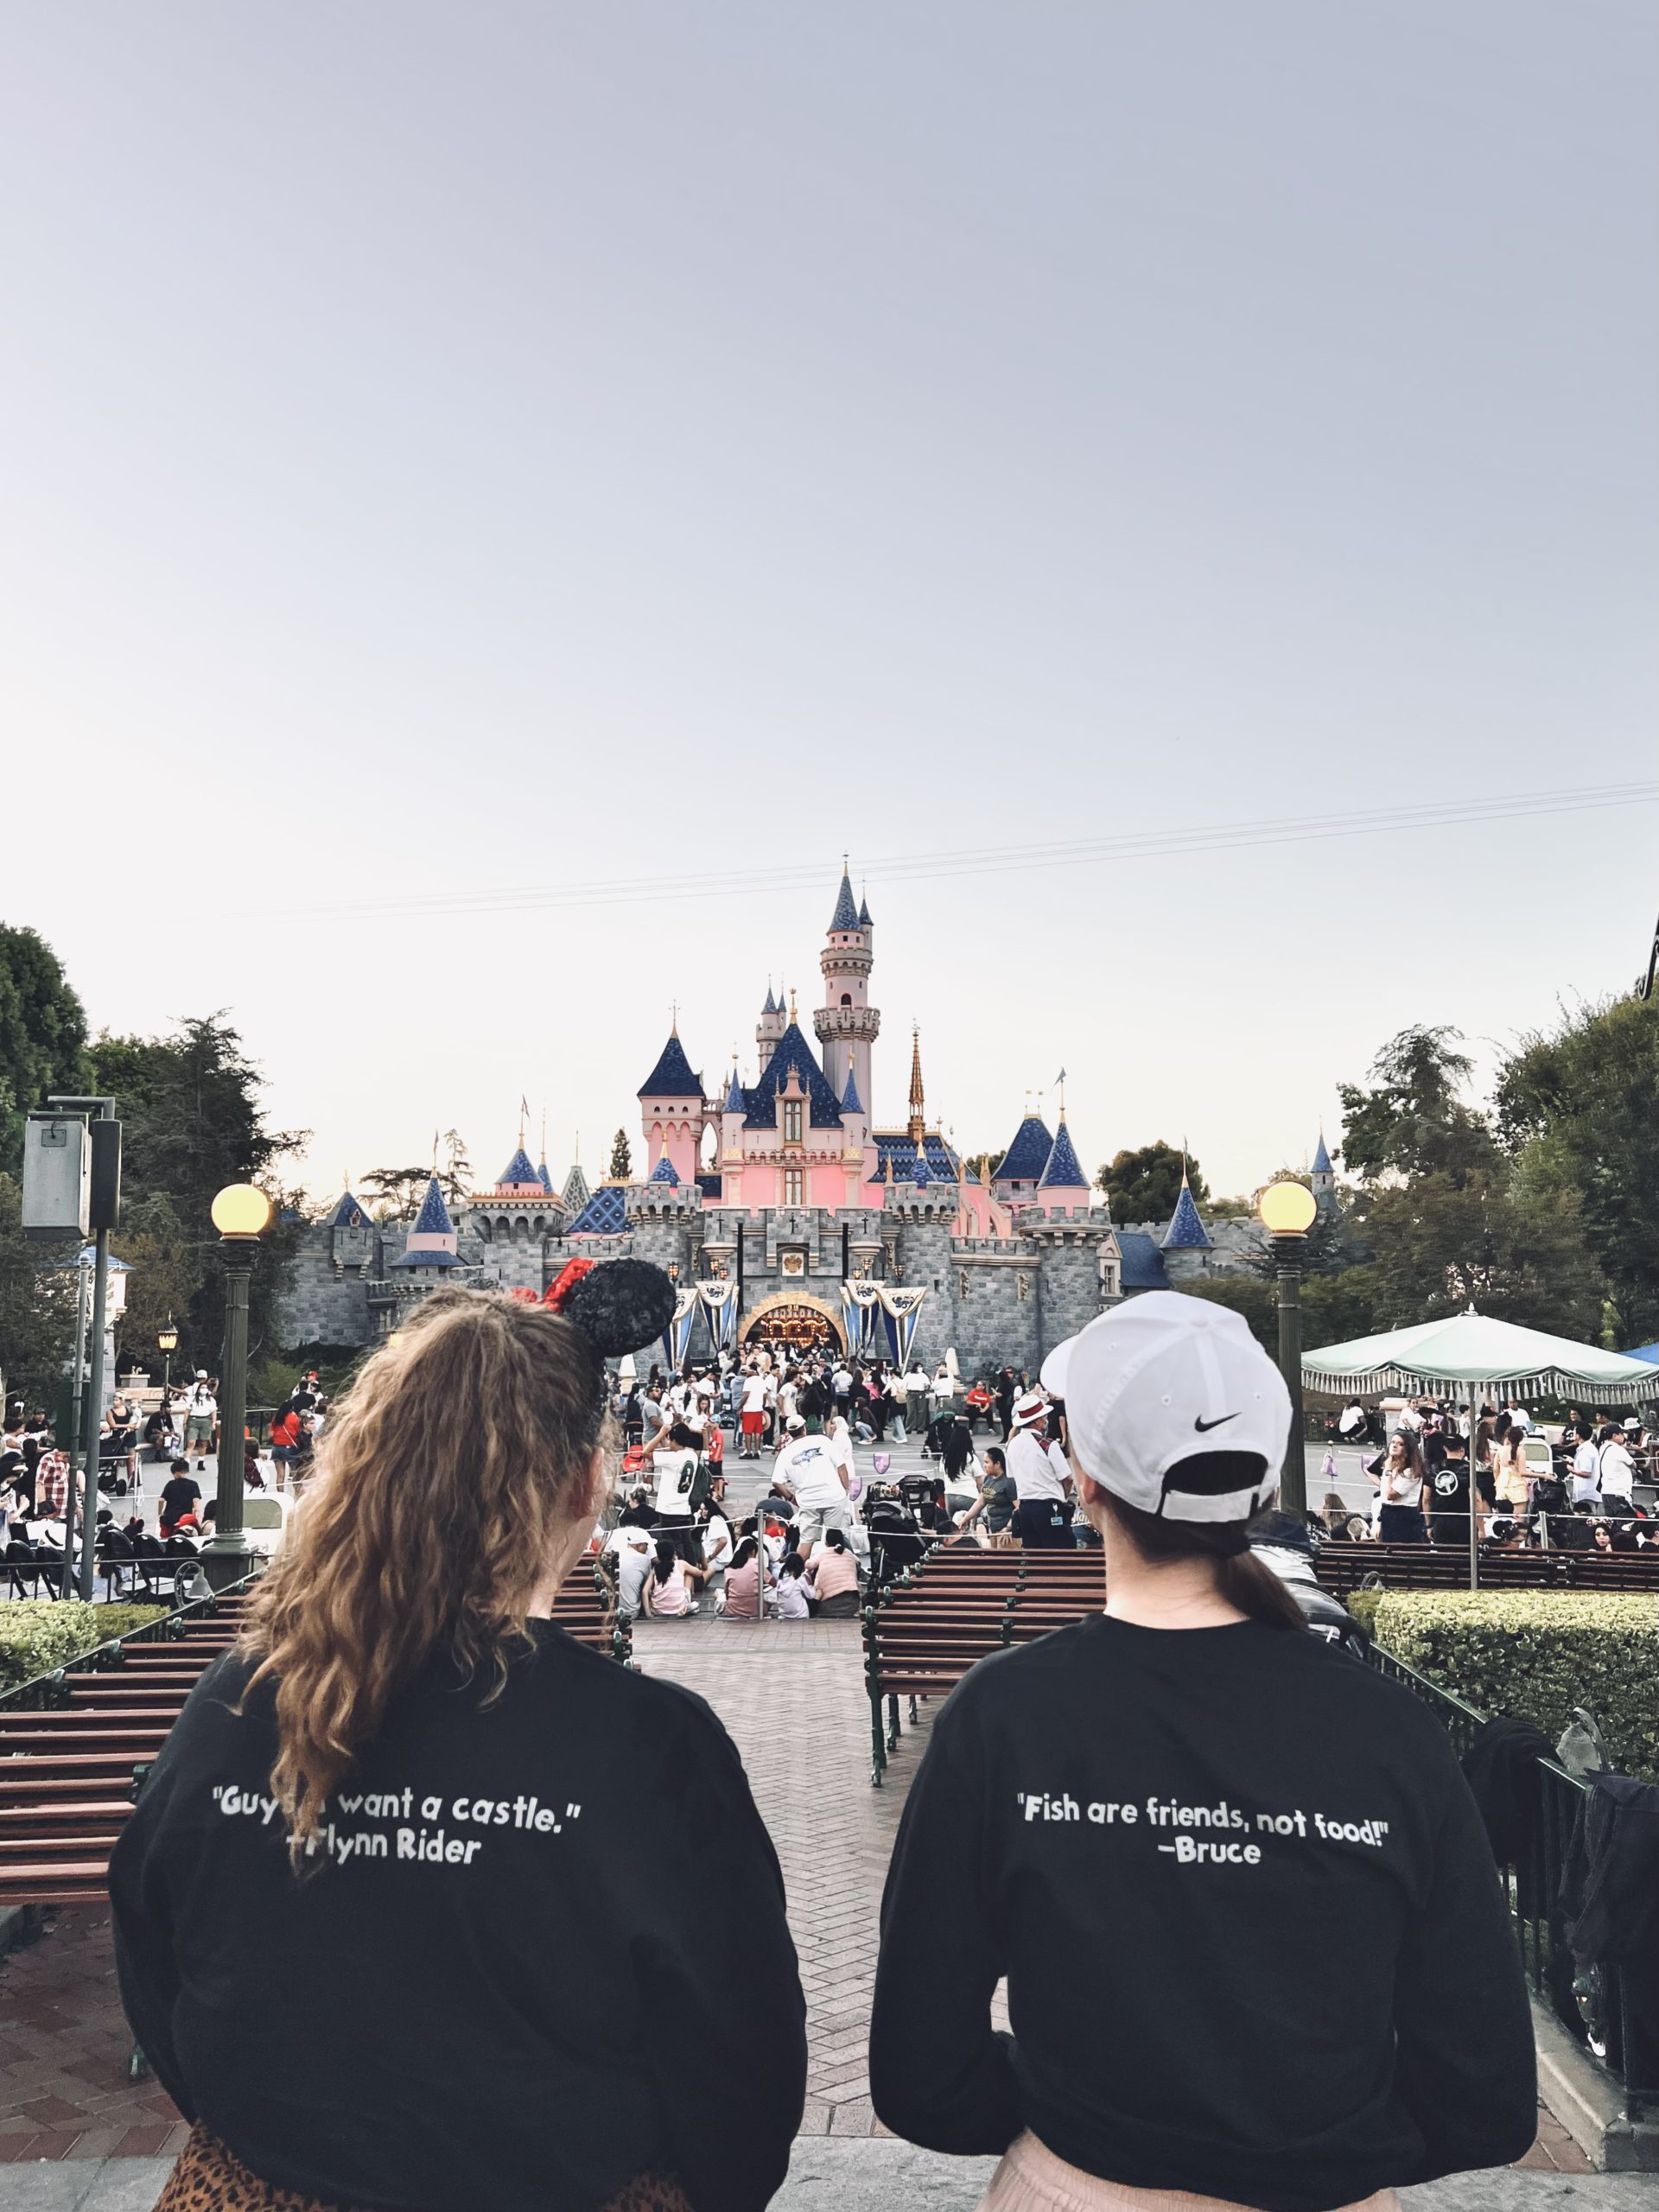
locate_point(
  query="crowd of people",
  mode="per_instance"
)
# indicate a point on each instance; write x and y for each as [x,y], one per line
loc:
[672,1546]
[1588,1489]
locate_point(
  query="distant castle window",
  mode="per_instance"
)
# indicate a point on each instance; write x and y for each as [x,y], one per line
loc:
[794,1194]
[846,998]
[793,1129]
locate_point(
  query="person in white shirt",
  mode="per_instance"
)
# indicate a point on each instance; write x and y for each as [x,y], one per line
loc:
[633,1560]
[1615,1469]
[1586,1483]
[753,1415]
[1043,1515]
[675,1469]
[807,1471]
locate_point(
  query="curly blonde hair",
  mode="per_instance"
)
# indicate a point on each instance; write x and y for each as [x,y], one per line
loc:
[461,1456]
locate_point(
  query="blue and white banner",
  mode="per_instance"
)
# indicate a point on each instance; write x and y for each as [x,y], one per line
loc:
[861,1305]
[900,1307]
[719,1303]
[677,1335]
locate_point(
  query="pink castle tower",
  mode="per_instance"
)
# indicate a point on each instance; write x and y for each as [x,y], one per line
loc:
[672,1110]
[847,1024]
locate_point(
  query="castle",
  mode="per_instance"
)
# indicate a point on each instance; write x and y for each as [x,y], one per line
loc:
[787,1191]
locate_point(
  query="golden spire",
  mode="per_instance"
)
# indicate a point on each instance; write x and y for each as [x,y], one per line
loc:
[918,1123]
[792,1004]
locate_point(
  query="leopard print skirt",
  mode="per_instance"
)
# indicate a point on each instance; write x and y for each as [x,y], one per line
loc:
[210,2178]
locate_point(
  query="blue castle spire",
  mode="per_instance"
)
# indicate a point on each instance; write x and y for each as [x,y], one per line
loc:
[846,914]
[1064,1171]
[1185,1233]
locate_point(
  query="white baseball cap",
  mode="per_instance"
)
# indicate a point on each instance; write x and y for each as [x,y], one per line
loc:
[795,1425]
[1162,1379]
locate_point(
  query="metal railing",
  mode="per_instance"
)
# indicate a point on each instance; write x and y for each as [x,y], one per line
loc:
[47,1693]
[1590,2002]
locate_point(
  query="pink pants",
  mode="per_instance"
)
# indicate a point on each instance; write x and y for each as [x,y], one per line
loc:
[1032,2179]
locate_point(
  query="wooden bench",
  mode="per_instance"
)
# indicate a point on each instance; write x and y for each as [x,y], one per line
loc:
[960,1604]
[1343,1568]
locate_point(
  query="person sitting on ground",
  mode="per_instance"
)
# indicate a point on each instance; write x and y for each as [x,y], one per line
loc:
[631,1549]
[793,1598]
[718,1544]
[670,1583]
[740,1600]
[181,1494]
[474,1887]
[832,1576]
[638,1512]
[1155,1797]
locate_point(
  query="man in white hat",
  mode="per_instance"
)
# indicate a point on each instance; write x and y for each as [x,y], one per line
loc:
[1043,1517]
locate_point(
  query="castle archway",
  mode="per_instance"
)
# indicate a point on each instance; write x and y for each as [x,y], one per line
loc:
[794,1318]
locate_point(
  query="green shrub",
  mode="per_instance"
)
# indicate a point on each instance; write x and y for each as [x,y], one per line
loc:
[271,1382]
[39,1634]
[1363,1605]
[1537,1654]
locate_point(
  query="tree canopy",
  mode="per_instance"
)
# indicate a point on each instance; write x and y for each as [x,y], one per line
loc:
[1145,1185]
[42,1035]
[1578,1112]
[192,1121]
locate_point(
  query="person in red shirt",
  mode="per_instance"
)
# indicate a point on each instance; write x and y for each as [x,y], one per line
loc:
[284,1442]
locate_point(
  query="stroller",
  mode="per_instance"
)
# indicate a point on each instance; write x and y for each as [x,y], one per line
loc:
[896,1538]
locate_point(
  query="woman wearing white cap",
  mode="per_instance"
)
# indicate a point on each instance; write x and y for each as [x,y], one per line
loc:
[1150,1823]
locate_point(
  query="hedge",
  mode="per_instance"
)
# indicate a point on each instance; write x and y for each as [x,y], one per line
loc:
[39,1634]
[1537,1654]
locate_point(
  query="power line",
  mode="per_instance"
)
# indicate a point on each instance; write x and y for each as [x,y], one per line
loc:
[937,866]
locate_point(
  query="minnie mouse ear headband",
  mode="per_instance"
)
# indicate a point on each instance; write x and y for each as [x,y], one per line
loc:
[620,1304]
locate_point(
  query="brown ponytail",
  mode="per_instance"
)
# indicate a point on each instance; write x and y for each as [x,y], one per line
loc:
[1241,1578]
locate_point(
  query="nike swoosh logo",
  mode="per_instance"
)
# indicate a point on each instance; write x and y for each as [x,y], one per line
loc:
[1203,1426]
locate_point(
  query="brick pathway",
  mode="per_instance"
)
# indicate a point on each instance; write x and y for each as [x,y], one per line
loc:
[792,1692]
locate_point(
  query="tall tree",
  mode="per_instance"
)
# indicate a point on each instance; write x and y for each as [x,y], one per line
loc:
[455,1176]
[396,1192]
[192,1121]
[1411,1121]
[1144,1185]
[1578,1110]
[42,1035]
[622,1157]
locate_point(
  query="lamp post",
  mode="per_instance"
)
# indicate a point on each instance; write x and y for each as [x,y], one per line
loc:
[241,1214]
[167,1343]
[1286,1212]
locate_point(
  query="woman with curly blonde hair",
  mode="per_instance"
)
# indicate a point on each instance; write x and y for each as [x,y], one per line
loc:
[412,1912]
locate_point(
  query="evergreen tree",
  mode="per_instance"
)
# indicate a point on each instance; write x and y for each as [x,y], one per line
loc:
[622,1159]
[455,1176]
[396,1192]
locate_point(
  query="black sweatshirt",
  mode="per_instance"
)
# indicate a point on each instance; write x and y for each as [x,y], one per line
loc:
[1252,1931]
[543,1949]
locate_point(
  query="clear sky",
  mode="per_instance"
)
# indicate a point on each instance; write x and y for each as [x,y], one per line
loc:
[450,451]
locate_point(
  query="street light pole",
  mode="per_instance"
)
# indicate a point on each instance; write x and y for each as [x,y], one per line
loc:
[241,1214]
[1287,1268]
[73,1441]
[1286,1212]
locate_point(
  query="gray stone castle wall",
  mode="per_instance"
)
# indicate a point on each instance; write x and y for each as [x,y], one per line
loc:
[997,1302]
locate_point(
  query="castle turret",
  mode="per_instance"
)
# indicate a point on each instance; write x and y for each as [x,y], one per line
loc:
[433,1242]
[1323,1179]
[671,1109]
[1185,1246]
[771,1025]
[1062,1182]
[847,1024]
[1016,1175]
